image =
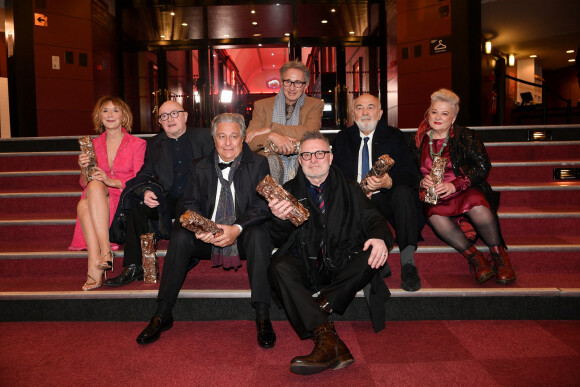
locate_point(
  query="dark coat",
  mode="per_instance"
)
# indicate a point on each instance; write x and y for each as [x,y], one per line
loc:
[386,140]
[251,208]
[350,220]
[468,155]
[156,175]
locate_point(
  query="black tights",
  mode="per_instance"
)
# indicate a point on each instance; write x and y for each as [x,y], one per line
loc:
[482,219]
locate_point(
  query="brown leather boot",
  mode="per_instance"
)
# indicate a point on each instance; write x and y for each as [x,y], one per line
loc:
[479,264]
[504,271]
[329,352]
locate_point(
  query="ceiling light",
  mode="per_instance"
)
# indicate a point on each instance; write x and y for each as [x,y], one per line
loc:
[272,54]
[259,44]
[533,56]
[226,36]
[351,32]
[324,21]
[253,11]
[273,65]
[571,60]
[257,34]
[333,10]
[569,51]
[511,60]
[287,34]
[254,23]
[488,47]
[162,36]
[184,24]
[172,13]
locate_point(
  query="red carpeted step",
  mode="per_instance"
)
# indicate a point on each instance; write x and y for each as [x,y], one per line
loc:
[549,194]
[40,182]
[535,270]
[35,236]
[565,150]
[38,207]
[502,173]
[39,161]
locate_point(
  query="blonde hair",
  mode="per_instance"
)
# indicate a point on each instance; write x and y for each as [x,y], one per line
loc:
[127,121]
[445,95]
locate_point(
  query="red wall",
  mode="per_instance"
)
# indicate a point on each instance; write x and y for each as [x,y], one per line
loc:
[65,96]
[418,21]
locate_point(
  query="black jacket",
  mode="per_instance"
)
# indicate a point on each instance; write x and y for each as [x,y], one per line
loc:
[350,220]
[386,140]
[251,208]
[468,155]
[156,174]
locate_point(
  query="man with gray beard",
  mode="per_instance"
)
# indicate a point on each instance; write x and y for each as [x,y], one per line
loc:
[396,194]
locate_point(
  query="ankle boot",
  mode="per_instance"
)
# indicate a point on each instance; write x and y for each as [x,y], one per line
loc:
[479,264]
[329,352]
[504,271]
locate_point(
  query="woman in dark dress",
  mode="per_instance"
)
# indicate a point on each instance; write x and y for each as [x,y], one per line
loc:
[464,190]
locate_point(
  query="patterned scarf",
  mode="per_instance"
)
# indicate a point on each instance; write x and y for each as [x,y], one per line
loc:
[288,117]
[228,256]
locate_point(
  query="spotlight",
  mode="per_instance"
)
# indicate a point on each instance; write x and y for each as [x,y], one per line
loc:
[488,47]
[511,60]
[539,135]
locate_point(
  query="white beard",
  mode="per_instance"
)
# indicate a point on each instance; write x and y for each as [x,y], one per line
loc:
[366,126]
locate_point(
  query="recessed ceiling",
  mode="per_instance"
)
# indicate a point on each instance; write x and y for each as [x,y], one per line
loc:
[546,28]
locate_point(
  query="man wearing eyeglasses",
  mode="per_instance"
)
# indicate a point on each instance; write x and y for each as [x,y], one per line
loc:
[395,194]
[336,252]
[282,120]
[152,198]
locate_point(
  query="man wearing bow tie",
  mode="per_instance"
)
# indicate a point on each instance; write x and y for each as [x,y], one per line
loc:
[222,187]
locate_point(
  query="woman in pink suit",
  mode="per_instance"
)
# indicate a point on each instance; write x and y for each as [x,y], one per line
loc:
[119,157]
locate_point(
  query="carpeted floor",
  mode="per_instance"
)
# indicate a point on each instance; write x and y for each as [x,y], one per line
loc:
[225,353]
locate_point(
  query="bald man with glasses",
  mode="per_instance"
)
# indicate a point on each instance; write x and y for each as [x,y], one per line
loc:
[153,197]
[283,120]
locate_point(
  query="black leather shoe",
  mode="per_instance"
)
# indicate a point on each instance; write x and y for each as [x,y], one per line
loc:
[266,334]
[410,278]
[129,274]
[153,331]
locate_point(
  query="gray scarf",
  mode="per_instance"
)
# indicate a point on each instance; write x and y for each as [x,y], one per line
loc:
[228,256]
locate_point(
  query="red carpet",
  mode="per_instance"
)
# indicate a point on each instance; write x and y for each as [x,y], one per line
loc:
[225,353]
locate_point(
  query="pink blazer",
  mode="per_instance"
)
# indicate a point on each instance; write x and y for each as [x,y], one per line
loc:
[127,163]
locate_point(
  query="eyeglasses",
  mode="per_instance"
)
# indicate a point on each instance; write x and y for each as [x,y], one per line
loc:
[308,155]
[173,114]
[297,84]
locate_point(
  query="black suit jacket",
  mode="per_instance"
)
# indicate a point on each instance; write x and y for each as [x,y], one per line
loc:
[386,139]
[158,161]
[251,208]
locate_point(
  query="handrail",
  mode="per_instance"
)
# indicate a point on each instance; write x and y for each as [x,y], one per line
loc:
[545,91]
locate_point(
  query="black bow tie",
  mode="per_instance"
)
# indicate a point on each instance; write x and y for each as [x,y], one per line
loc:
[225,165]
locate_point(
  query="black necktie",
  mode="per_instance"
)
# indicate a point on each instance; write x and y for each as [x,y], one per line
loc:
[225,165]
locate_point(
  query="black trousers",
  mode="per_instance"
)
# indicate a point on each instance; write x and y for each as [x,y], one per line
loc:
[289,277]
[402,208]
[138,224]
[184,248]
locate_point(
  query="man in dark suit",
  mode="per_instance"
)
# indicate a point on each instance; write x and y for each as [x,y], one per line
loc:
[336,252]
[396,193]
[152,198]
[222,187]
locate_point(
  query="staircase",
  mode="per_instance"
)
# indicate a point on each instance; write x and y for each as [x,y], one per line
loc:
[40,280]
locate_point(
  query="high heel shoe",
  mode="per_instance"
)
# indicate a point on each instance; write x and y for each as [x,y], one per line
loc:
[107,264]
[92,285]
